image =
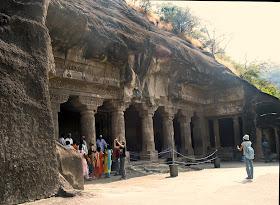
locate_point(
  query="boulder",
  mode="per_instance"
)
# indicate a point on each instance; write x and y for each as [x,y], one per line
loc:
[70,166]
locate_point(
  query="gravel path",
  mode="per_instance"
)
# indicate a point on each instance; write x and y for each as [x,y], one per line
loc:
[200,184]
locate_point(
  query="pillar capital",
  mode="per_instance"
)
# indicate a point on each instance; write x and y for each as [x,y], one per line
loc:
[59,98]
[86,111]
[185,116]
[235,118]
[89,103]
[185,113]
[117,105]
[168,113]
[144,109]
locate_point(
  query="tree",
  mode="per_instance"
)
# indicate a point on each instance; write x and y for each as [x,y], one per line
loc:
[251,73]
[214,42]
[183,22]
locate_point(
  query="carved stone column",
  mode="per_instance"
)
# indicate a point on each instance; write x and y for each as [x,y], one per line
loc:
[186,140]
[217,133]
[88,124]
[56,100]
[148,139]
[88,110]
[118,122]
[199,134]
[258,143]
[236,130]
[168,128]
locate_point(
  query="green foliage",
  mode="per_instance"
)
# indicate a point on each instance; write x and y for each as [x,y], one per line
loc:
[183,22]
[251,73]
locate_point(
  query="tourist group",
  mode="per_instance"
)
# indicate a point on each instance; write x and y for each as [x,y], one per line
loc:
[97,160]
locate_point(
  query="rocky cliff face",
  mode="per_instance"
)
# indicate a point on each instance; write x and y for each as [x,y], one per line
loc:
[27,147]
[114,32]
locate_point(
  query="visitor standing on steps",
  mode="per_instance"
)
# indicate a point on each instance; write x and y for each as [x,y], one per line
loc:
[249,162]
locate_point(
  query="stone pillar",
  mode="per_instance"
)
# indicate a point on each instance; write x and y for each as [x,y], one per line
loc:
[217,133]
[88,125]
[168,128]
[56,100]
[118,124]
[276,131]
[236,130]
[186,140]
[148,139]
[258,146]
[88,110]
[199,134]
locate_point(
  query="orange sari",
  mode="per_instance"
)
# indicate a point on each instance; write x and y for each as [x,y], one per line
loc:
[99,164]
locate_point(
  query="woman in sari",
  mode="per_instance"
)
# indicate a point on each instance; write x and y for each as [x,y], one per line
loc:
[98,163]
[84,162]
[108,161]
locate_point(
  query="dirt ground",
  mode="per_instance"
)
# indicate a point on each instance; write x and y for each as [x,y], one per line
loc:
[198,184]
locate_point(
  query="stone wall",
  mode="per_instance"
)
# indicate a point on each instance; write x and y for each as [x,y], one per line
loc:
[27,147]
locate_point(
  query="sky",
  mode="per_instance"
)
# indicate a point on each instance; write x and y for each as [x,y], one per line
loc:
[254,27]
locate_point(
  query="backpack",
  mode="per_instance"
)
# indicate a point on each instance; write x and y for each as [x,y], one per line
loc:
[249,154]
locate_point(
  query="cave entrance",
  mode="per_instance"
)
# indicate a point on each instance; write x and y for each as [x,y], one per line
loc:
[103,124]
[133,131]
[158,131]
[270,135]
[69,119]
[226,132]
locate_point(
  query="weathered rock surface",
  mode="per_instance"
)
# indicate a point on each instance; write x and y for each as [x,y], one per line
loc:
[70,166]
[28,166]
[117,33]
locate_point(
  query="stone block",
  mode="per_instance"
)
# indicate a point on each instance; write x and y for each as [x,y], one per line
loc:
[70,166]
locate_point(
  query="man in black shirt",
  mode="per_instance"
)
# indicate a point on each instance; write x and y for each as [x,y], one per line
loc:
[122,147]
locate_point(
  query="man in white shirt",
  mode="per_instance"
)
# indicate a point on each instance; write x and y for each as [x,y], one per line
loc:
[61,140]
[101,143]
[69,138]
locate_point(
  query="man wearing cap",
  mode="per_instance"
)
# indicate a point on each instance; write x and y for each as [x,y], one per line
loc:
[249,162]
[101,143]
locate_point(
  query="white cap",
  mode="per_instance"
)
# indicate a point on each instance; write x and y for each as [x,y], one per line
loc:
[246,137]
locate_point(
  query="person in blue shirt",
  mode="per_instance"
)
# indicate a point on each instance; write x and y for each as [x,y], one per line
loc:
[101,143]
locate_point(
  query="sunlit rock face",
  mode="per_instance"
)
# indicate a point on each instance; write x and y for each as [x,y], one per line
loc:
[27,152]
[111,31]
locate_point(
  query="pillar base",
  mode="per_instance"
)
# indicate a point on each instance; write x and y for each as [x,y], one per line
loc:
[153,155]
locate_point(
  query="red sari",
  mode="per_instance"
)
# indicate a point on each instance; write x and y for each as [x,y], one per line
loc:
[99,164]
